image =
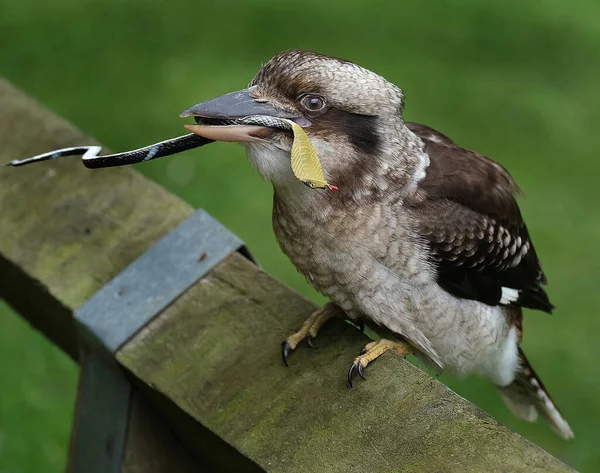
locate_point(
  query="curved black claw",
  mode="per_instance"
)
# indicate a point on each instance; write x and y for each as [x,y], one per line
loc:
[350,373]
[286,348]
[361,372]
[356,367]
[309,340]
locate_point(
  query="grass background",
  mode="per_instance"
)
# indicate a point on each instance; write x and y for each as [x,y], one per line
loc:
[515,80]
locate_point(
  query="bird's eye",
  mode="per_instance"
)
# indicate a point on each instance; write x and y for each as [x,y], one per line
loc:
[313,103]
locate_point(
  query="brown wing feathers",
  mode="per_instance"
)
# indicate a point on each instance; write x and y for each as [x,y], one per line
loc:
[470,218]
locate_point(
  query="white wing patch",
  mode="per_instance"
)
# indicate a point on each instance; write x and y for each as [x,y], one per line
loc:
[509,295]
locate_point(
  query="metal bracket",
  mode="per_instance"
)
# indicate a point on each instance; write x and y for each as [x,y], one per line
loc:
[153,281]
[122,308]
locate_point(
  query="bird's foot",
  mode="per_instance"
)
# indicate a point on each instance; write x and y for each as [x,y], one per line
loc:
[374,350]
[310,329]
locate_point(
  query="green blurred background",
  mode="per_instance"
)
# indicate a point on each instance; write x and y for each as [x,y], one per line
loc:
[518,81]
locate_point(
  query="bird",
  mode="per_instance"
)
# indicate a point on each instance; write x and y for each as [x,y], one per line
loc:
[422,239]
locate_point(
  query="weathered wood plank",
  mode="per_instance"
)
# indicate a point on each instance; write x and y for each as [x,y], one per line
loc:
[213,356]
[66,230]
[151,446]
[215,353]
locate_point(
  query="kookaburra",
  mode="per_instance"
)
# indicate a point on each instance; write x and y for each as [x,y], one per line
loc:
[422,239]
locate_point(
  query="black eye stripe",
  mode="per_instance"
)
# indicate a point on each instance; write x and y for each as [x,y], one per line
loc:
[360,129]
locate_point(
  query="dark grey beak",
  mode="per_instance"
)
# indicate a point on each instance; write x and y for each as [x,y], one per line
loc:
[237,117]
[238,104]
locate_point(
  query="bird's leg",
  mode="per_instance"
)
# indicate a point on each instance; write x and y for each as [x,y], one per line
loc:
[374,350]
[310,328]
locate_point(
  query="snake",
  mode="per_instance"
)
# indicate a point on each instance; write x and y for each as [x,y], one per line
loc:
[305,162]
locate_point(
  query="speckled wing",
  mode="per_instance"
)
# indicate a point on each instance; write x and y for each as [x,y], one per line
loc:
[478,241]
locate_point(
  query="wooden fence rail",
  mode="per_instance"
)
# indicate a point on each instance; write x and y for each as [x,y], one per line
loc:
[210,392]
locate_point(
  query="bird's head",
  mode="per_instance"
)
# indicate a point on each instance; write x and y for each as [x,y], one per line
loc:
[349,114]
